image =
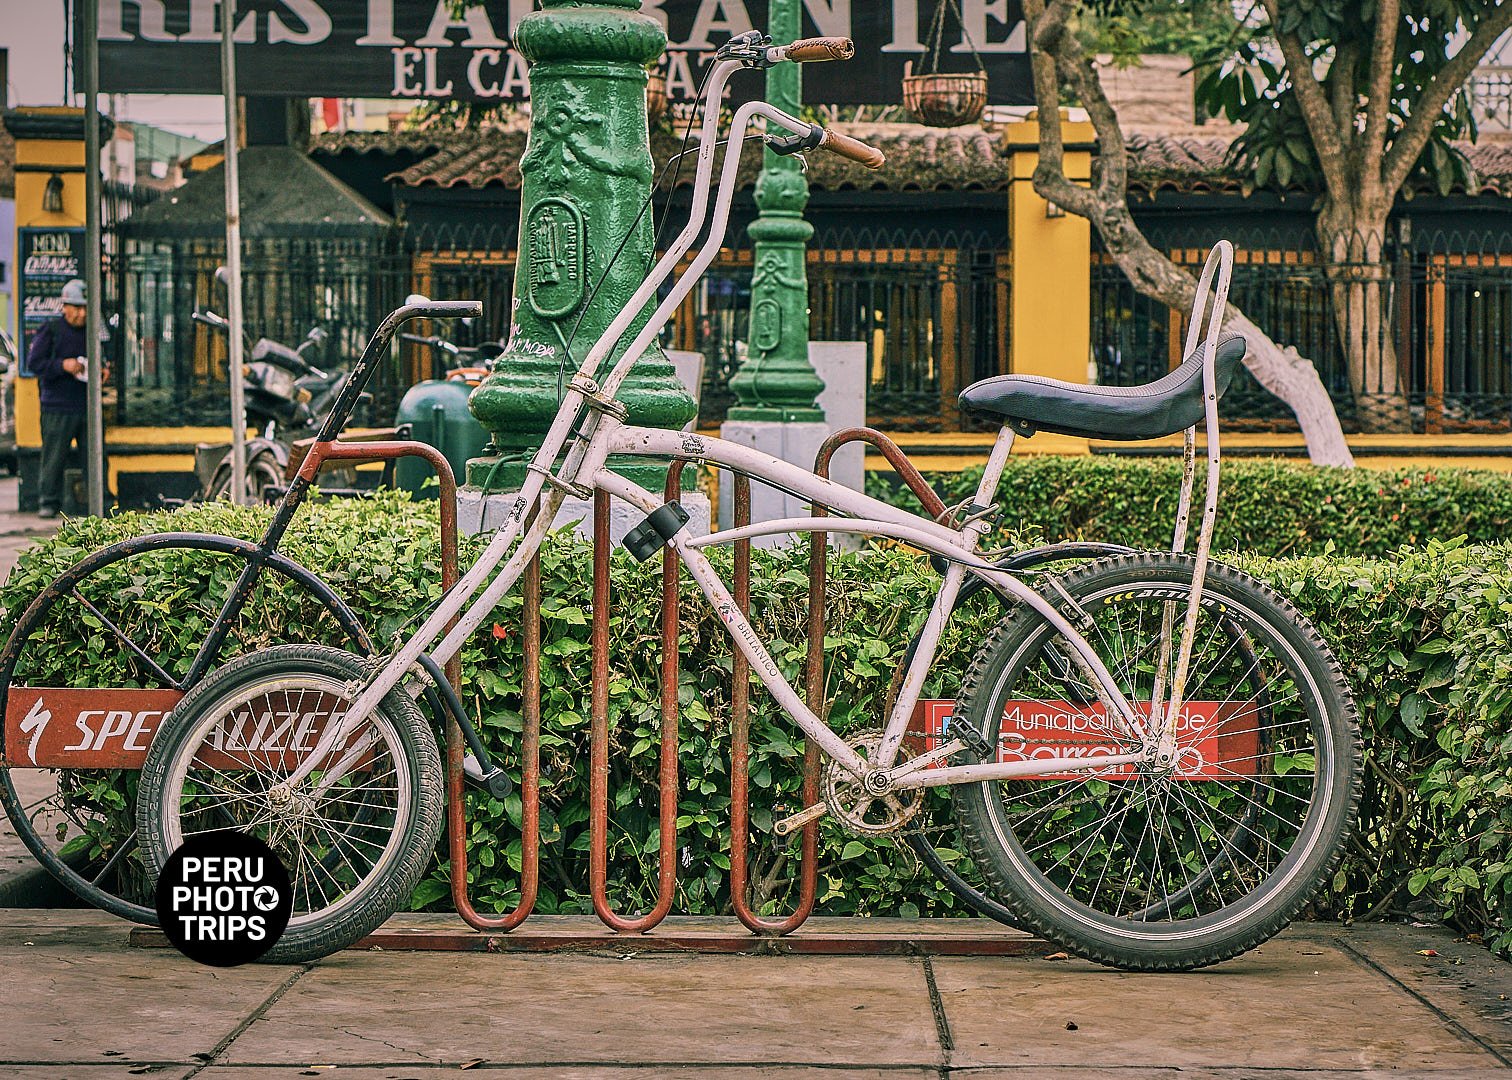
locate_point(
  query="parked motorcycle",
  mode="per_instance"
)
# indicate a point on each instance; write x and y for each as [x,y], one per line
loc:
[287,399]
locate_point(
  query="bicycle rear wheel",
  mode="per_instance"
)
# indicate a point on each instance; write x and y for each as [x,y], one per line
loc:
[355,835]
[1151,870]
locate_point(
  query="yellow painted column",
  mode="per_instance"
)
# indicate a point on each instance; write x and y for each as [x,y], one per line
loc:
[49,154]
[1050,310]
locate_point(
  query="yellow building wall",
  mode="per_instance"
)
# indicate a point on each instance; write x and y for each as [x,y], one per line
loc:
[1050,302]
[67,156]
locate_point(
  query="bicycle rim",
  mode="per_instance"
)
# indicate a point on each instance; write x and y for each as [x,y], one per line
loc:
[132,615]
[339,832]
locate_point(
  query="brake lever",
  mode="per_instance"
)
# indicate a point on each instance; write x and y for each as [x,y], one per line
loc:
[750,48]
[787,145]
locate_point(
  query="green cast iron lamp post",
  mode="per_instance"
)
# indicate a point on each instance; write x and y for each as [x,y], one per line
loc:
[776,382]
[585,174]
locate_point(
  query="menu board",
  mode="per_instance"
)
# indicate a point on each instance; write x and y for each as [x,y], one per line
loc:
[49,258]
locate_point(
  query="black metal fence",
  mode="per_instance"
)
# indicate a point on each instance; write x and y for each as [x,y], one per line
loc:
[930,308]
[1408,333]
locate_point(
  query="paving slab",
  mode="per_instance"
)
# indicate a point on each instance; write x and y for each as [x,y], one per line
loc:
[75,994]
[1464,983]
[569,1073]
[821,935]
[579,1010]
[1319,1003]
[1300,1002]
[117,1069]
[1171,1073]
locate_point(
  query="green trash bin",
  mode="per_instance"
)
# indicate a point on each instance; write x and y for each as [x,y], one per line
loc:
[436,411]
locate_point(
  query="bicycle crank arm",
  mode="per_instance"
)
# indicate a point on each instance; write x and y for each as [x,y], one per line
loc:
[792,823]
[924,761]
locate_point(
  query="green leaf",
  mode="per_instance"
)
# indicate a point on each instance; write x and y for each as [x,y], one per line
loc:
[1414,710]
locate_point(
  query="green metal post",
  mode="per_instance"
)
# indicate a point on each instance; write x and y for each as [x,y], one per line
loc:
[585,174]
[776,382]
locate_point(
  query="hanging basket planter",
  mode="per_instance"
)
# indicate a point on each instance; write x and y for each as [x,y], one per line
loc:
[942,100]
[656,96]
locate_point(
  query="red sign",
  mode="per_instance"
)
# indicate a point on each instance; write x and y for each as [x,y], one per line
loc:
[91,728]
[82,728]
[1218,739]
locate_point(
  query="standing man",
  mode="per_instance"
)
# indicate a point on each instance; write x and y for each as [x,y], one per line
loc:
[58,357]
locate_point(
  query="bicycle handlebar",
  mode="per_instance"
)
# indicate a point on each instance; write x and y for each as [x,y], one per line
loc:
[812,50]
[852,149]
[820,138]
[415,307]
[418,307]
[433,342]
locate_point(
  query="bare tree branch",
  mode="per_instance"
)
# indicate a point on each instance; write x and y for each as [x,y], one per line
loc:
[1314,104]
[1292,378]
[1342,73]
[1050,178]
[1382,75]
[1408,145]
[1076,68]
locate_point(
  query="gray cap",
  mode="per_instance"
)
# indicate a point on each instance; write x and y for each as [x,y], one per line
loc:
[73,293]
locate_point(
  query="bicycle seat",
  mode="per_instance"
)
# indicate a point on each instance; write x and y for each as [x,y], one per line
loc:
[1170,404]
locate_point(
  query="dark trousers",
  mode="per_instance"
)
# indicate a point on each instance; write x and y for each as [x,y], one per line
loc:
[62,448]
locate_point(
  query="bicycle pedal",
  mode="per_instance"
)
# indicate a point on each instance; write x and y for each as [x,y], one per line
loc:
[497,782]
[975,741]
[793,822]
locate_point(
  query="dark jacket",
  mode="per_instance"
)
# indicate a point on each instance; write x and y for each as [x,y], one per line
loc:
[54,343]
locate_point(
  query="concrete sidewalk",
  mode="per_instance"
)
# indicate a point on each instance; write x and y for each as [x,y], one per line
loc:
[17,530]
[1320,1002]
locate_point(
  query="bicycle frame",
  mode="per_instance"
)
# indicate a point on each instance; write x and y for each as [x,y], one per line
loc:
[589,427]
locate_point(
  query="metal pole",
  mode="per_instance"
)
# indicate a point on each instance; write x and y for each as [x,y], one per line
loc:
[233,257]
[94,388]
[776,382]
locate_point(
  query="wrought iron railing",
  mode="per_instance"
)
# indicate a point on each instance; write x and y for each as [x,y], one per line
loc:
[1408,333]
[1417,336]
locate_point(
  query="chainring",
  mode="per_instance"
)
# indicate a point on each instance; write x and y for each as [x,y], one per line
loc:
[857,810]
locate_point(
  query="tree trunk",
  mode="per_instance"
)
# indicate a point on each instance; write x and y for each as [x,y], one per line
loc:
[1291,377]
[1361,284]
[1057,59]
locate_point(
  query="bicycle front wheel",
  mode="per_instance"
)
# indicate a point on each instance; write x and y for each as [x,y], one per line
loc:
[130,618]
[355,835]
[1152,869]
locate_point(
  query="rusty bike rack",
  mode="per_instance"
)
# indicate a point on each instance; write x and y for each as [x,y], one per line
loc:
[933,505]
[740,714]
[668,765]
[530,774]
[668,785]
[740,749]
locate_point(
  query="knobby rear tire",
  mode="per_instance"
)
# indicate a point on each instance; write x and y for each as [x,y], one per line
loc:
[1007,824]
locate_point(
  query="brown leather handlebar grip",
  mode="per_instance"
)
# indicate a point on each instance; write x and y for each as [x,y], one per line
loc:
[852,149]
[808,50]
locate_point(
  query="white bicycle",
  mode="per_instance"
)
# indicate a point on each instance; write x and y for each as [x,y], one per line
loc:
[1154,760]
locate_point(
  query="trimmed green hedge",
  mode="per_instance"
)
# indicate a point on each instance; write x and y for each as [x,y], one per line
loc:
[1266,504]
[1422,636]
